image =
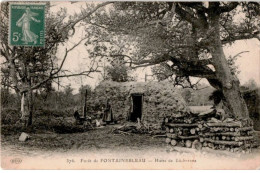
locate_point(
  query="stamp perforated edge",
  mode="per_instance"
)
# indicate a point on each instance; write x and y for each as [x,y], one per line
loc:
[26,3]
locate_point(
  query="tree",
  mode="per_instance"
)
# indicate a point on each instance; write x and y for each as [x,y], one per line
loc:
[83,89]
[118,72]
[250,84]
[30,68]
[187,38]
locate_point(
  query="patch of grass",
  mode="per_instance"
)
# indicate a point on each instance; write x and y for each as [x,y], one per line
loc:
[43,120]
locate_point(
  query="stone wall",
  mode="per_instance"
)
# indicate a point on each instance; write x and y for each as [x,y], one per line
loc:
[159,100]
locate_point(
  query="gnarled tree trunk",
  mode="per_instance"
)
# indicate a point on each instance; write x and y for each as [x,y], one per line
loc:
[228,83]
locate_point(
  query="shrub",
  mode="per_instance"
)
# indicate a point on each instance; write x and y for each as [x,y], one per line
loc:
[59,121]
[10,115]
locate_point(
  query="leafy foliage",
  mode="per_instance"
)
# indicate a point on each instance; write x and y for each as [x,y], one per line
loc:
[160,34]
[118,72]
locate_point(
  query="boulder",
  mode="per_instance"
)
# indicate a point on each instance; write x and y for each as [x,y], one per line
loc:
[24,137]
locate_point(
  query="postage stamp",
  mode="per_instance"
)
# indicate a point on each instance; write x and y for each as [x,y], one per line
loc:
[27,24]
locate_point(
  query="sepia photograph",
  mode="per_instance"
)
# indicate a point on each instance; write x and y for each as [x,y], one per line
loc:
[130,85]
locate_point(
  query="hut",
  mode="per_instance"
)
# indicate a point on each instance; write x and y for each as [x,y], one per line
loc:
[149,101]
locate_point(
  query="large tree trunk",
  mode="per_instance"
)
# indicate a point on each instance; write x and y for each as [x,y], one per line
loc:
[27,101]
[23,107]
[228,83]
[26,108]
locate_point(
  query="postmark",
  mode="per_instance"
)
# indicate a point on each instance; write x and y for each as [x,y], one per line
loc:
[27,24]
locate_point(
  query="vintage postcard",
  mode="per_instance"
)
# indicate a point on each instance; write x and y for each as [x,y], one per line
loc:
[130,85]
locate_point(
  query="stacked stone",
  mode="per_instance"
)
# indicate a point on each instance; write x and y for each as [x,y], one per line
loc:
[159,99]
[159,102]
[115,94]
[182,131]
[232,135]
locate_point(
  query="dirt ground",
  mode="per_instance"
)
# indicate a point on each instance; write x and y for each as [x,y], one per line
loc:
[52,149]
[100,139]
[92,140]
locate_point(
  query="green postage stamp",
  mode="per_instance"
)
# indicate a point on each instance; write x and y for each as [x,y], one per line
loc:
[27,24]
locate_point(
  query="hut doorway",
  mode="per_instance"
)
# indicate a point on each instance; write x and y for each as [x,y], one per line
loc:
[137,105]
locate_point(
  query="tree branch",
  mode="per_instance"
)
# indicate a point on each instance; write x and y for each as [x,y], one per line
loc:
[84,73]
[227,8]
[196,5]
[65,56]
[187,16]
[243,36]
[72,24]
